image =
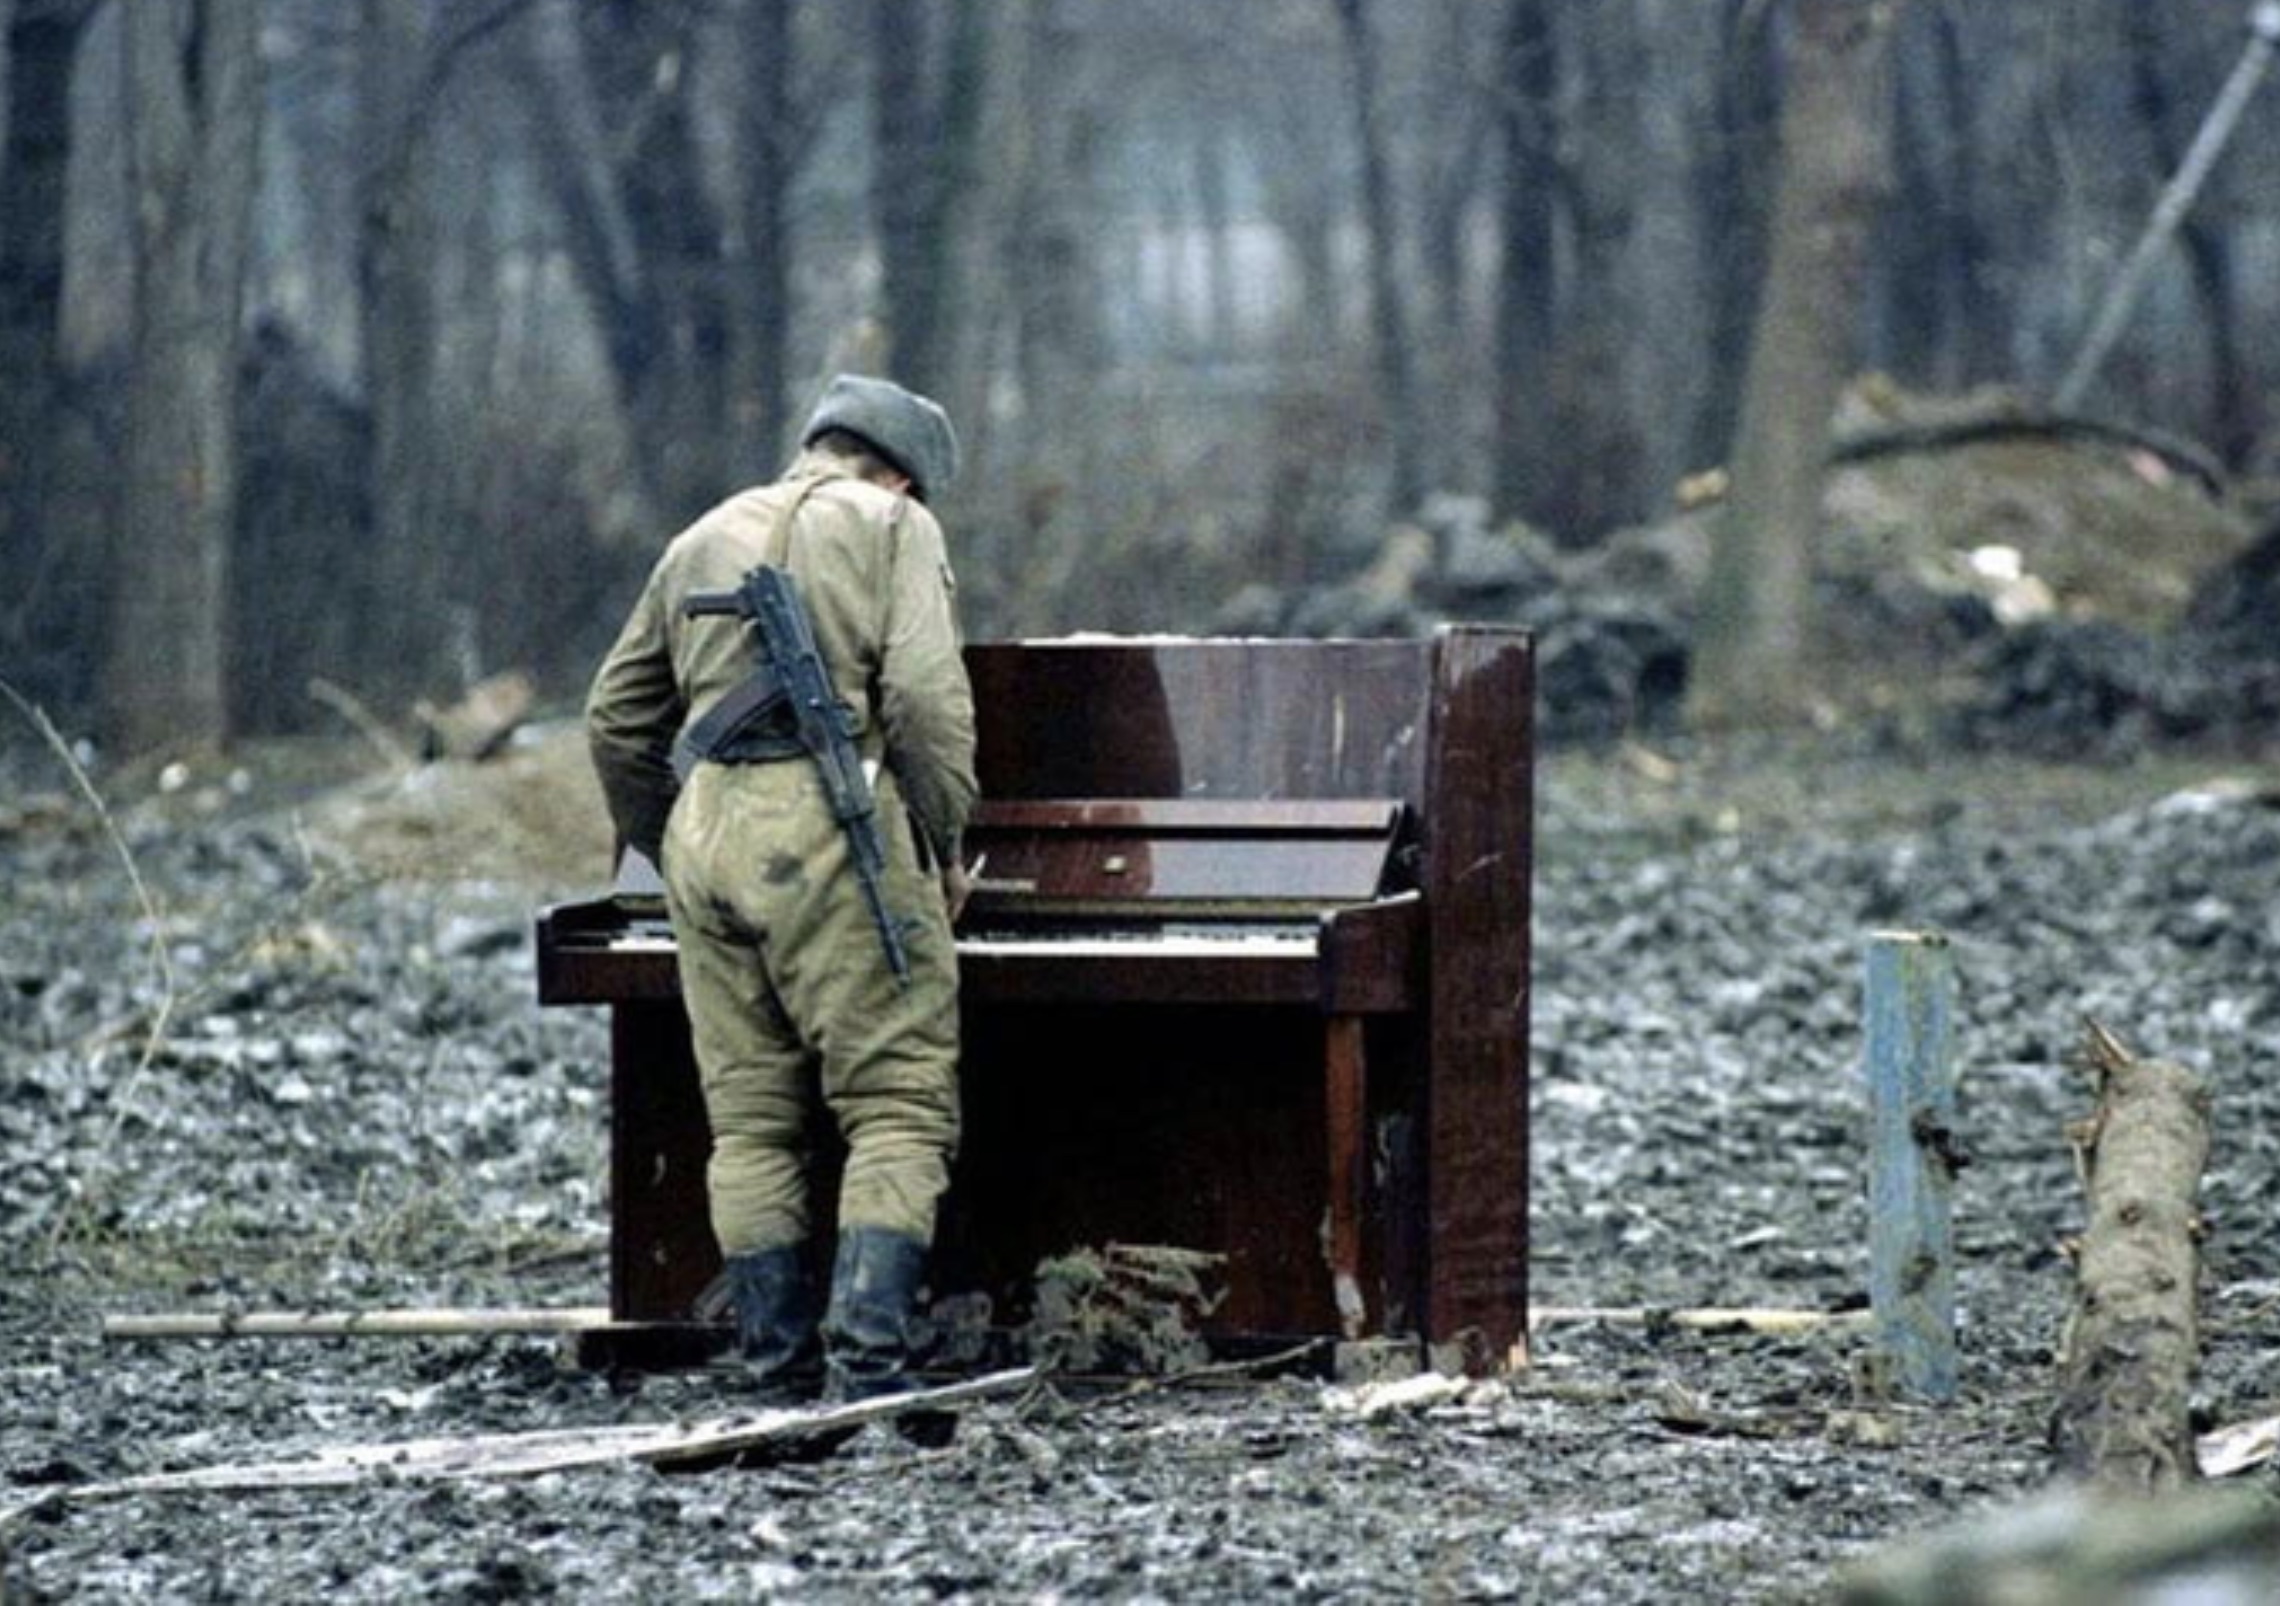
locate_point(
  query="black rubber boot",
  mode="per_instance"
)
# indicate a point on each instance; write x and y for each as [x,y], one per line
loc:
[775,1324]
[866,1334]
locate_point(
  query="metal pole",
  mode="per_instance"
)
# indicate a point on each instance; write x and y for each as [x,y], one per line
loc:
[1913,1157]
[2217,128]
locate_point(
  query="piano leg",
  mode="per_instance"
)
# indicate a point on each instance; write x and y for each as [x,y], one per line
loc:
[1345,1098]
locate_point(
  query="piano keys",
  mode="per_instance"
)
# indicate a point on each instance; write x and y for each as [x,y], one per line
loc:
[1246,971]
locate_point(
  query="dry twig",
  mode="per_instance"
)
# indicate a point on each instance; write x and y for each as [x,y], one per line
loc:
[162,961]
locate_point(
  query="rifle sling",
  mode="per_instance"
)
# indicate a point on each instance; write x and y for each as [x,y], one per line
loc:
[737,729]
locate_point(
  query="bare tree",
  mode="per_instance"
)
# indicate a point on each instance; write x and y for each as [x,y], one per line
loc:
[1937,325]
[420,561]
[772,131]
[2234,418]
[610,99]
[43,41]
[1755,622]
[1527,281]
[1049,243]
[194,93]
[1389,322]
[1733,172]
[1593,479]
[926,125]
[1452,125]
[398,235]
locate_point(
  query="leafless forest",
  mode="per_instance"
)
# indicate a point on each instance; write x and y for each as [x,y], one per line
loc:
[383,342]
[1753,354]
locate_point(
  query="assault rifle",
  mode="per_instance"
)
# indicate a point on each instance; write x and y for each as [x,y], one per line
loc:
[792,677]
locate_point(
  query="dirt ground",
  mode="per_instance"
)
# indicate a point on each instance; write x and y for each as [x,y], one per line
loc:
[301,1067]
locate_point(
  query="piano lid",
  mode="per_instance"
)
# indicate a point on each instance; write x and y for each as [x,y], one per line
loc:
[1168,858]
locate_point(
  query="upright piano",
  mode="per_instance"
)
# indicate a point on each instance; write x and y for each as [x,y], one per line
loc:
[1246,971]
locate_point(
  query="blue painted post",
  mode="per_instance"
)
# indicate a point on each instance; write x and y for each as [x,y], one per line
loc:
[1913,1157]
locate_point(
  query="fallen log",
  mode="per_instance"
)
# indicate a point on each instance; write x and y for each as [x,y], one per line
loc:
[2080,1549]
[2133,1340]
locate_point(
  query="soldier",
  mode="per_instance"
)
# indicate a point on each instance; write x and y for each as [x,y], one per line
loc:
[790,993]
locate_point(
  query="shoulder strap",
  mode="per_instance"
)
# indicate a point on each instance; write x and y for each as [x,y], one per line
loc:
[777,549]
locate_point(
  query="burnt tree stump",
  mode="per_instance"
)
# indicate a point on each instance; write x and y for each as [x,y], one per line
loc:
[2133,1340]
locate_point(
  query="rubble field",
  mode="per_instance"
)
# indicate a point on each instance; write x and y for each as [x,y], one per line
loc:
[293,1061]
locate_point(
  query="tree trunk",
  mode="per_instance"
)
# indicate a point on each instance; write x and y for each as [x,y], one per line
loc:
[1733,179]
[2234,417]
[610,113]
[1459,135]
[193,73]
[398,237]
[1405,435]
[35,158]
[2123,1418]
[769,149]
[1756,615]
[1051,268]
[2077,1549]
[641,58]
[1928,248]
[1527,282]
[1593,480]
[924,152]
[1976,330]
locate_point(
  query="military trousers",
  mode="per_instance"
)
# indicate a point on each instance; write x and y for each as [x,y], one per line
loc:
[792,1002]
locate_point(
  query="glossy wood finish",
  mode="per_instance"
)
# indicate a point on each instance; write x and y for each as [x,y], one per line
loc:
[658,1145]
[1477,884]
[1345,1088]
[1160,860]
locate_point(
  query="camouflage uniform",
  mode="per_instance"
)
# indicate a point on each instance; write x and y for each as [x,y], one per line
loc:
[788,989]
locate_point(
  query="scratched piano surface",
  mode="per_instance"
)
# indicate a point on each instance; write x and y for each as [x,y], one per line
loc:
[1245,971]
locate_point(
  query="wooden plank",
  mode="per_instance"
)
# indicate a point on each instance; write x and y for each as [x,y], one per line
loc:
[522,1455]
[1909,1006]
[413,1323]
[1758,1319]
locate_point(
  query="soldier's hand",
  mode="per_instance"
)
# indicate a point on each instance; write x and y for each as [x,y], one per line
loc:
[957,886]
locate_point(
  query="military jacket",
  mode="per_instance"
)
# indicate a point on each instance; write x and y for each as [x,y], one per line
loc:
[873,568]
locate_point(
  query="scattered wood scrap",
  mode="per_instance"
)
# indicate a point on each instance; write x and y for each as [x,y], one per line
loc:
[1762,1321]
[683,1446]
[350,707]
[2221,1452]
[480,724]
[413,1323]
[2133,1341]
